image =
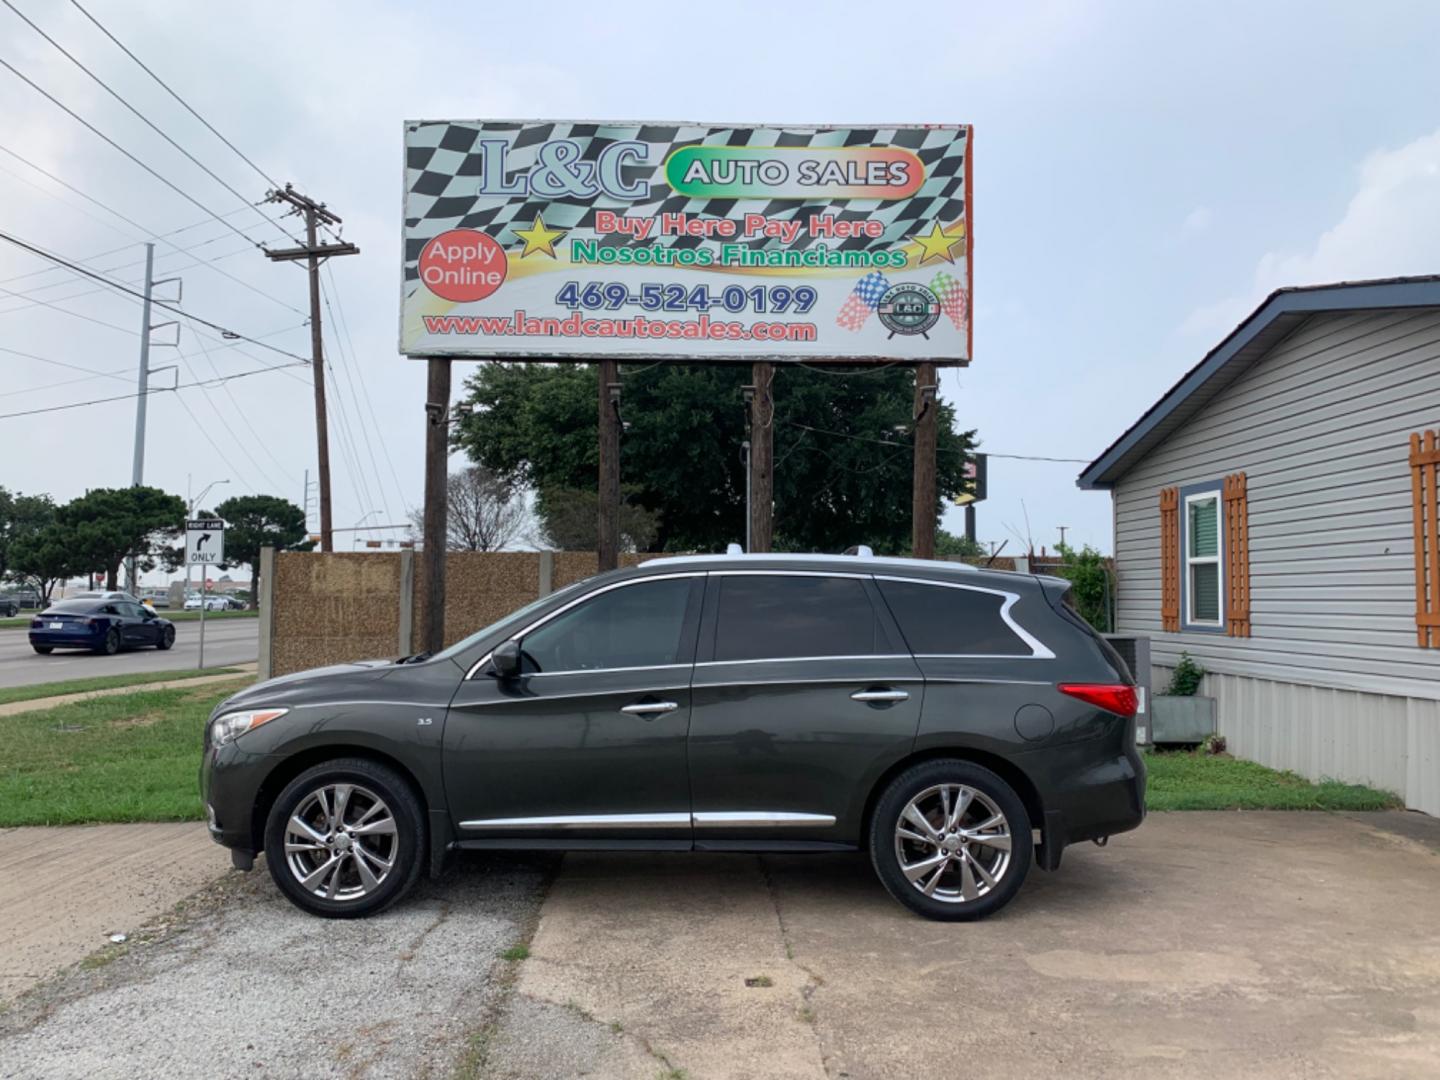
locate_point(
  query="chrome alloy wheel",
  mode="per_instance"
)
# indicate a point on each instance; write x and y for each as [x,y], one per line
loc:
[340,843]
[952,843]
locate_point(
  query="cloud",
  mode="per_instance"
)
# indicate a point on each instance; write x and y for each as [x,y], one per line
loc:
[1197,221]
[1390,228]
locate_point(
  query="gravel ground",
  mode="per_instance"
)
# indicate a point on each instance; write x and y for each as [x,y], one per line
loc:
[240,983]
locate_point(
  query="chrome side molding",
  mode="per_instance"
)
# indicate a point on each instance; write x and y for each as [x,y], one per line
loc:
[710,819]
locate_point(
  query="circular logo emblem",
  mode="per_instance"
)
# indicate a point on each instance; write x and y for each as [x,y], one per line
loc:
[909,309]
[462,265]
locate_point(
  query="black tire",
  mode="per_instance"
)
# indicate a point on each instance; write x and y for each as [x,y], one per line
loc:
[111,645]
[43,650]
[167,638]
[989,793]
[406,856]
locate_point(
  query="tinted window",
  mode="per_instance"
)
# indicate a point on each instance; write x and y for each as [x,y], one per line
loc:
[770,617]
[73,607]
[634,626]
[936,619]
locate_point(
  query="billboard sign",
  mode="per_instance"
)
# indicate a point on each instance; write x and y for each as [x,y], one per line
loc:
[578,240]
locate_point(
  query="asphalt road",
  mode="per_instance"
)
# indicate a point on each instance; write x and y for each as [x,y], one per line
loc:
[227,641]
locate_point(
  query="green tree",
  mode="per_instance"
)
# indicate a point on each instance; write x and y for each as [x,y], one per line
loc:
[106,526]
[21,516]
[256,521]
[951,545]
[44,558]
[1090,590]
[842,448]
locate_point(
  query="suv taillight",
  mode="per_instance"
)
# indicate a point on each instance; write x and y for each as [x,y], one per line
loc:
[1118,698]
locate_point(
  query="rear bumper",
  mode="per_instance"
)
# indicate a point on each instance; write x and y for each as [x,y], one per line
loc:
[1089,798]
[59,640]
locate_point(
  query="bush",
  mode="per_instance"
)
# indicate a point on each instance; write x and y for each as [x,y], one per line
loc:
[1185,680]
[1089,579]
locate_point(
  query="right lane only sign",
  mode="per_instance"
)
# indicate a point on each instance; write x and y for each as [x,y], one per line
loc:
[204,542]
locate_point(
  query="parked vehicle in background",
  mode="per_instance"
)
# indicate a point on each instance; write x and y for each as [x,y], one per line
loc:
[9,607]
[210,603]
[103,626]
[160,598]
[23,598]
[105,594]
[932,714]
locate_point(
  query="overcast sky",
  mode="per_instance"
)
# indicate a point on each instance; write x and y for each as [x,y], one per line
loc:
[1144,174]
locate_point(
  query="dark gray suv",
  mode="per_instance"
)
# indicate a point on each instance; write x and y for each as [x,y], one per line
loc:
[956,723]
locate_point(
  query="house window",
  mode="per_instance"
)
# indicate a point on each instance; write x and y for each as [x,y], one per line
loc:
[1203,584]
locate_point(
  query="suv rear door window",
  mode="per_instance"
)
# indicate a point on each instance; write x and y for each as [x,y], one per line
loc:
[940,620]
[773,617]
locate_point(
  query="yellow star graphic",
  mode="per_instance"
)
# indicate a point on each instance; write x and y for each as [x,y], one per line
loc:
[937,244]
[539,238]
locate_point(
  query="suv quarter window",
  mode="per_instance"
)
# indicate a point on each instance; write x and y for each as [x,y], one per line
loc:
[639,624]
[941,619]
[780,616]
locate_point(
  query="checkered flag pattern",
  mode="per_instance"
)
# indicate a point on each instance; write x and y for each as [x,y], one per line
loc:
[954,300]
[443,165]
[862,301]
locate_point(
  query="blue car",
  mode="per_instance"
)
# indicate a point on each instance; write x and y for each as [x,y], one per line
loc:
[102,626]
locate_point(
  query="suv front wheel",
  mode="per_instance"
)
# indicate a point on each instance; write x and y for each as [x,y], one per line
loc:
[951,840]
[344,838]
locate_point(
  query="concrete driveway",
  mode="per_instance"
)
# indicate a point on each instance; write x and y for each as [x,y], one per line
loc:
[1203,945]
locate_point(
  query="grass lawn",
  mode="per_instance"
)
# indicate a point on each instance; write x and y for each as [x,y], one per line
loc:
[1192,781]
[23,621]
[130,757]
[9,694]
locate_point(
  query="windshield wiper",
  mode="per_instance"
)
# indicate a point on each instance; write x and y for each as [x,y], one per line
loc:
[415,658]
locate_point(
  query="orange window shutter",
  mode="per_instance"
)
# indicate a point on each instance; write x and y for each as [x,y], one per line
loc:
[1170,559]
[1425,501]
[1237,557]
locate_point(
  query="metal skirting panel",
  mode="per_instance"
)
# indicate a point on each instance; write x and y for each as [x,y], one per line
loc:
[1382,740]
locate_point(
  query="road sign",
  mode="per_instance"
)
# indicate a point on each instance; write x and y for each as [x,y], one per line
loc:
[204,542]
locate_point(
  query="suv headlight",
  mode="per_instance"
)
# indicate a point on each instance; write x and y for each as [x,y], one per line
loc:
[232,725]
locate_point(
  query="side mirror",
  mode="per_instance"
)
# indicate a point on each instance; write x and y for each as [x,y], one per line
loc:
[505,659]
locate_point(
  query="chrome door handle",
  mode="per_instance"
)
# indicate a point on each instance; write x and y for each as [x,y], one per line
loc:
[641,708]
[880,695]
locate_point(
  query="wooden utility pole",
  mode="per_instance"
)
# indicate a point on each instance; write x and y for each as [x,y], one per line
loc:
[922,513]
[437,475]
[607,548]
[314,252]
[762,456]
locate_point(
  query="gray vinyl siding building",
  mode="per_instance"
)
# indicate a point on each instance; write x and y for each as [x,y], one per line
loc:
[1314,399]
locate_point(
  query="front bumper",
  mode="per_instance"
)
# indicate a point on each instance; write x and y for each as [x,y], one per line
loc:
[230,781]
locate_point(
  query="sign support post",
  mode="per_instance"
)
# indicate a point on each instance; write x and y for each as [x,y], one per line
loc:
[204,547]
[607,550]
[922,512]
[762,457]
[437,454]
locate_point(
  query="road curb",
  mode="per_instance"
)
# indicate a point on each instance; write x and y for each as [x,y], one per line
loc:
[37,704]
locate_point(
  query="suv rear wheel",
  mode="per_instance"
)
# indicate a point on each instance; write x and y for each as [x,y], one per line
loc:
[344,838]
[951,840]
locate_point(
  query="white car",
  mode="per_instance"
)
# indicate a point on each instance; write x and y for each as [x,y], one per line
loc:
[212,603]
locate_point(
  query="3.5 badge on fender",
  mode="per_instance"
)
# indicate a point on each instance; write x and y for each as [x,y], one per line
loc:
[909,309]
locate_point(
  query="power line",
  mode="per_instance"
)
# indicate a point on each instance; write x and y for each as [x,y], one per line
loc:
[100,134]
[142,117]
[263,175]
[943,449]
[160,237]
[62,363]
[118,287]
[131,396]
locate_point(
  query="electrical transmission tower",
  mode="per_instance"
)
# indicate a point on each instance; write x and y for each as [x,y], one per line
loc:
[314,252]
